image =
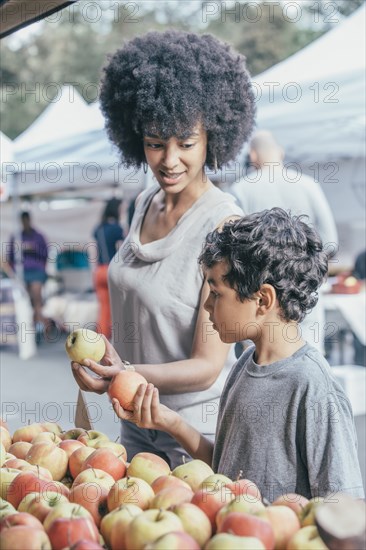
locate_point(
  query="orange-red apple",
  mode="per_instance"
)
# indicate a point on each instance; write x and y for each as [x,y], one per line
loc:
[294,501]
[96,476]
[40,504]
[163,482]
[28,482]
[77,459]
[284,521]
[20,518]
[124,386]
[65,532]
[171,496]
[247,525]
[20,449]
[105,459]
[93,497]
[211,501]
[27,433]
[23,536]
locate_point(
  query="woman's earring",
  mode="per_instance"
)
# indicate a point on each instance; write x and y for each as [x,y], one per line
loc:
[144,167]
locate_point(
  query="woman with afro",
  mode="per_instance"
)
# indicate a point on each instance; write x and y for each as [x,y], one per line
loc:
[177,102]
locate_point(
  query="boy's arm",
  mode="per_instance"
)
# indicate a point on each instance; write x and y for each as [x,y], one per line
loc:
[149,413]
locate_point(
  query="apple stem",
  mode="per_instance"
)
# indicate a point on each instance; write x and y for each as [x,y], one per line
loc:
[265,502]
[117,439]
[240,475]
[183,459]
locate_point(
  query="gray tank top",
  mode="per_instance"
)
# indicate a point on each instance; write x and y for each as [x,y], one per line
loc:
[155,294]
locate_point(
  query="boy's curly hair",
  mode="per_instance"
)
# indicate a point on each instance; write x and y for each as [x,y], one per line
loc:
[166,83]
[271,247]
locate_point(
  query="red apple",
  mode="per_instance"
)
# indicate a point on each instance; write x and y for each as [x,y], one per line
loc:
[20,449]
[23,537]
[193,473]
[195,522]
[64,532]
[245,487]
[149,526]
[93,497]
[77,459]
[170,497]
[49,456]
[211,501]
[92,437]
[40,504]
[124,386]
[23,465]
[148,466]
[175,540]
[85,544]
[114,525]
[96,476]
[20,518]
[247,525]
[70,445]
[66,510]
[284,521]
[294,501]
[117,448]
[163,482]
[5,438]
[241,503]
[130,490]
[105,459]
[28,482]
[27,433]
[226,541]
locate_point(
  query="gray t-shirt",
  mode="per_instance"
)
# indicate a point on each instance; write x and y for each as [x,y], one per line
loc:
[288,426]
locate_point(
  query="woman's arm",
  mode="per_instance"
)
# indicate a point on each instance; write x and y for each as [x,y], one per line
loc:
[149,413]
[196,373]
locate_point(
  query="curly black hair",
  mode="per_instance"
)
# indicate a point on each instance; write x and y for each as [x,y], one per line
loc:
[166,83]
[271,247]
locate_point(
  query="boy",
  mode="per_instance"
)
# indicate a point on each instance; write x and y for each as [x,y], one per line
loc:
[283,419]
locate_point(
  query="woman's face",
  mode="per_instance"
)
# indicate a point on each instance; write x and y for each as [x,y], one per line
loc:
[177,163]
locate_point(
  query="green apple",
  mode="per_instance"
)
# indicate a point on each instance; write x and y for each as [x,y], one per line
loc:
[307,515]
[193,472]
[226,541]
[195,522]
[214,481]
[148,466]
[149,526]
[92,438]
[307,538]
[85,344]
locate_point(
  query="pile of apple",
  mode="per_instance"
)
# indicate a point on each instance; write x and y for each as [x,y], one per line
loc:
[76,490]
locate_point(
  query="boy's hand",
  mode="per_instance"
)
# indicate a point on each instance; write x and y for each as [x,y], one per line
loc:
[148,412]
[109,365]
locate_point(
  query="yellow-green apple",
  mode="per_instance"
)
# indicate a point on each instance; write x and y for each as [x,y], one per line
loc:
[65,532]
[149,526]
[93,497]
[241,503]
[66,510]
[40,504]
[49,456]
[284,521]
[163,482]
[294,501]
[341,522]
[171,496]
[23,536]
[74,433]
[92,437]
[9,456]
[96,476]
[307,514]
[175,540]
[28,482]
[105,459]
[20,449]
[124,386]
[211,501]
[70,445]
[193,473]
[245,487]
[5,438]
[307,538]
[2,454]
[195,522]
[148,466]
[20,518]
[130,490]
[6,508]
[47,437]
[77,459]
[85,344]
[6,477]
[52,427]
[214,481]
[114,525]
[27,433]
[248,525]
[20,464]
[226,541]
[117,448]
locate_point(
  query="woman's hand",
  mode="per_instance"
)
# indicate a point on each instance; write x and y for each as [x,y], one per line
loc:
[148,412]
[110,365]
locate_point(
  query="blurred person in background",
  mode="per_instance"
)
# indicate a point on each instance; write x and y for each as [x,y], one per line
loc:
[33,256]
[272,184]
[177,102]
[359,271]
[109,236]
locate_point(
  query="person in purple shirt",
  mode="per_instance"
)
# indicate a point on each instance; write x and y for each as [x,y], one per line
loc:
[34,259]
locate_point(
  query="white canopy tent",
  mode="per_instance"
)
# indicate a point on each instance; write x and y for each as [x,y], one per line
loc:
[314,103]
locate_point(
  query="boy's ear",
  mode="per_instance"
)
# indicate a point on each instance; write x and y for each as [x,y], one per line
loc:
[267,298]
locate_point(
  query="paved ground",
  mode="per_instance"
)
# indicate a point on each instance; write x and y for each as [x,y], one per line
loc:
[43,388]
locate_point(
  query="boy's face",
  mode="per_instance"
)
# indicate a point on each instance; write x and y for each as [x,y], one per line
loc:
[234,320]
